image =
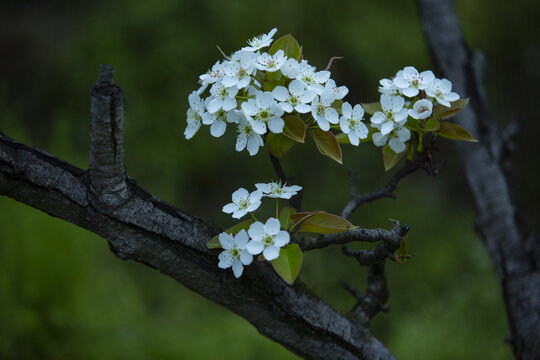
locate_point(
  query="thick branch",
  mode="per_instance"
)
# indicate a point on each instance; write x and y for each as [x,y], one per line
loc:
[515,255]
[147,230]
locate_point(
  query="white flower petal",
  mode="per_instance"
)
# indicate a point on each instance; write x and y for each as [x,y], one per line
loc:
[218,128]
[229,208]
[280,93]
[379,139]
[241,239]
[256,231]
[387,127]
[272,226]
[281,239]
[396,145]
[245,257]
[237,268]
[276,125]
[225,259]
[240,195]
[255,247]
[226,241]
[346,110]
[271,252]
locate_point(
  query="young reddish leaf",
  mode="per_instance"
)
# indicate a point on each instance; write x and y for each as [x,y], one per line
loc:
[371,108]
[301,216]
[294,129]
[288,264]
[321,222]
[390,158]
[244,225]
[288,44]
[285,217]
[455,132]
[431,125]
[278,144]
[327,144]
[444,113]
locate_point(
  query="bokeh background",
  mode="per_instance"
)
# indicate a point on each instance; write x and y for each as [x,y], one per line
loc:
[63,295]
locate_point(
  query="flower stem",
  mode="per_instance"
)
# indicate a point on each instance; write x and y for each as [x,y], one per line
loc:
[277,208]
[253,216]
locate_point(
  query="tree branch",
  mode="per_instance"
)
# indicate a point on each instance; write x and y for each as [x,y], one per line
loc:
[307,242]
[516,255]
[422,161]
[140,227]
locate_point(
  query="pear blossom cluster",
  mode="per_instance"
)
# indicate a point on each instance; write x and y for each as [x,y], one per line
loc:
[239,96]
[408,95]
[266,239]
[253,90]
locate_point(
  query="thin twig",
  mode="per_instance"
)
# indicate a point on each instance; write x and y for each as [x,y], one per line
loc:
[331,61]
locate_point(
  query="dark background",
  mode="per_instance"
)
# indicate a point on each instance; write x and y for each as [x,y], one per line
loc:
[64,295]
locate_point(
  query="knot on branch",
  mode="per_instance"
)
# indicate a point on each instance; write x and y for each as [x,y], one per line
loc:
[106,170]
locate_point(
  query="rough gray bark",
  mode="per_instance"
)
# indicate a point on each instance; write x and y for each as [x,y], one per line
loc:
[140,227]
[515,255]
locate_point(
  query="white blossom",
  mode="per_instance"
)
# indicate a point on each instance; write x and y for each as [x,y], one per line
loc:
[388,87]
[211,76]
[392,113]
[396,139]
[195,115]
[441,90]
[422,109]
[351,123]
[234,252]
[218,121]
[238,72]
[267,62]
[296,97]
[247,137]
[323,112]
[267,238]
[258,42]
[278,190]
[243,202]
[339,92]
[291,68]
[410,81]
[312,78]
[263,111]
[222,98]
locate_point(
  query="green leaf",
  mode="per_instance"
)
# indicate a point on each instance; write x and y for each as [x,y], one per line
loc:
[288,264]
[327,144]
[371,108]
[244,225]
[294,129]
[321,222]
[444,113]
[285,217]
[431,125]
[288,44]
[278,144]
[390,158]
[455,132]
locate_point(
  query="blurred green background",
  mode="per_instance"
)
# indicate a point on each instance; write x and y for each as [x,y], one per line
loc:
[63,295]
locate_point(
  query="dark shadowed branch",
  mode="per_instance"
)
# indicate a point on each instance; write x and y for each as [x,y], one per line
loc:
[515,253]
